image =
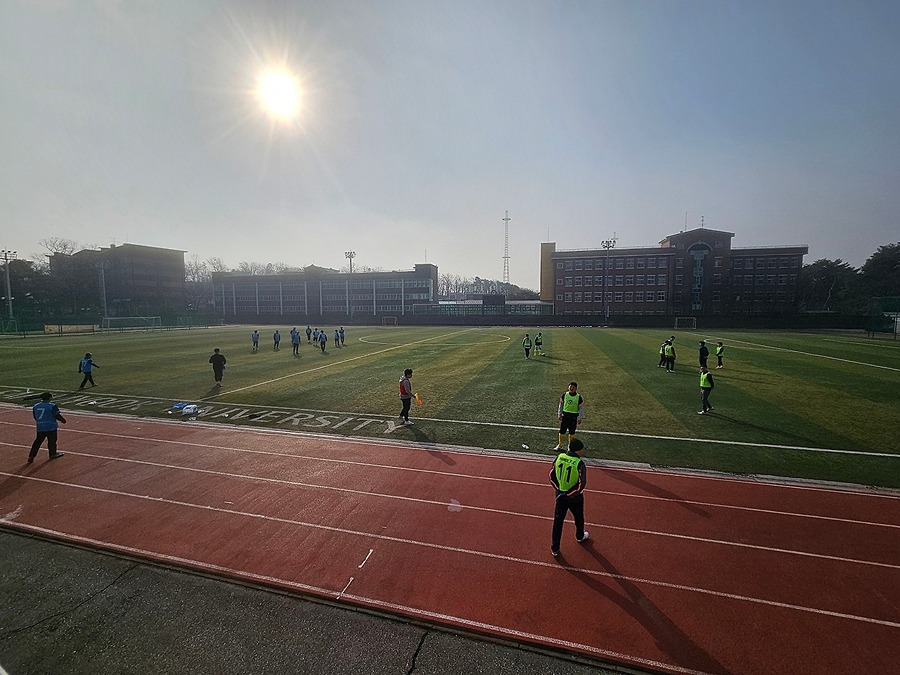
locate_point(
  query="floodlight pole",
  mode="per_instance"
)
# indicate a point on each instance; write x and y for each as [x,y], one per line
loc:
[607,244]
[350,255]
[7,256]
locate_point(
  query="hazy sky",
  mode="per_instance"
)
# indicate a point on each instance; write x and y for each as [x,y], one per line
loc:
[423,122]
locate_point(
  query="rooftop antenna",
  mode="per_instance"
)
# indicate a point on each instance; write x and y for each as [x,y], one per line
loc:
[701,222]
[685,222]
[506,248]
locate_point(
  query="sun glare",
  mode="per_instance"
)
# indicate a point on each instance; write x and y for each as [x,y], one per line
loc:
[279,94]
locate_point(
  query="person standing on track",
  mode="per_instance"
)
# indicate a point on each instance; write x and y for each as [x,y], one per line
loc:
[569,478]
[720,354]
[218,365]
[87,366]
[570,414]
[46,417]
[406,394]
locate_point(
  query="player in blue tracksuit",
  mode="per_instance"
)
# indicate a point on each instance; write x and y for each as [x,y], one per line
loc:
[87,366]
[46,418]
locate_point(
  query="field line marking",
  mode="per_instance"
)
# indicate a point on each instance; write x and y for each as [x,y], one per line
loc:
[624,434]
[821,356]
[486,509]
[316,590]
[465,551]
[335,363]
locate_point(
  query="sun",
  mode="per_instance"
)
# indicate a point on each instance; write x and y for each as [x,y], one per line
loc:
[279,93]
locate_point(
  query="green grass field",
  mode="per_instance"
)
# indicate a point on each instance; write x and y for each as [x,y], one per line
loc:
[823,406]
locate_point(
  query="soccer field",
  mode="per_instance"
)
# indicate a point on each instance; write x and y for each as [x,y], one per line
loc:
[823,406]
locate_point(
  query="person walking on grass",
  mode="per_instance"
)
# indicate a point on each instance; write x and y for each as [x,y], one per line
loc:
[538,345]
[526,345]
[341,332]
[569,478]
[46,417]
[323,338]
[308,335]
[406,395]
[218,365]
[570,414]
[669,350]
[337,338]
[662,355]
[87,366]
[720,354]
[703,352]
[706,387]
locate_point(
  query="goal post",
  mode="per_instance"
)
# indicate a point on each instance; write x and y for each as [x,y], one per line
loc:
[685,323]
[123,323]
[389,321]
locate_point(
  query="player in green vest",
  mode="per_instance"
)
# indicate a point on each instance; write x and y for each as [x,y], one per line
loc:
[526,345]
[706,386]
[538,345]
[570,414]
[669,351]
[569,478]
[720,353]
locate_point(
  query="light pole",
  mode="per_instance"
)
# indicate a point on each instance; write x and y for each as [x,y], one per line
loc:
[350,255]
[607,244]
[7,256]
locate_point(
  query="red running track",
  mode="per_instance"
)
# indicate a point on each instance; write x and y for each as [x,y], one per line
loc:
[683,573]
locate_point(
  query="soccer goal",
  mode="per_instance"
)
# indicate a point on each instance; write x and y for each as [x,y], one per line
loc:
[685,323]
[389,321]
[123,323]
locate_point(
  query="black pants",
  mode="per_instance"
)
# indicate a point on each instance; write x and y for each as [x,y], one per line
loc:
[87,378]
[670,363]
[51,443]
[405,412]
[563,504]
[296,347]
[704,398]
[218,373]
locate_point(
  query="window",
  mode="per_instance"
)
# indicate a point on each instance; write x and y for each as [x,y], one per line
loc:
[782,279]
[588,264]
[559,265]
[568,282]
[588,297]
[793,279]
[784,262]
[577,264]
[609,281]
[578,281]
[618,296]
[598,281]
[770,279]
[772,263]
[663,263]
[679,263]
[620,263]
[678,296]
[679,280]
[748,264]
[661,280]
[568,297]
[717,279]
[559,297]
[738,263]
[639,296]
[639,280]
[619,279]
[629,264]
[717,296]
[629,280]
[609,296]
[651,263]
[748,280]
[568,265]
[559,282]
[588,280]
[717,262]
[660,296]
[629,297]
[795,262]
[760,279]
[736,280]
[641,263]
[578,297]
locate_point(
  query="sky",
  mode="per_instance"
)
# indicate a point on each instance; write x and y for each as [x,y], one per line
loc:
[422,123]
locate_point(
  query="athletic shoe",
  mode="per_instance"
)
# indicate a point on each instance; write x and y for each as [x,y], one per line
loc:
[710,409]
[702,412]
[407,423]
[30,460]
[58,454]
[558,447]
[555,554]
[584,538]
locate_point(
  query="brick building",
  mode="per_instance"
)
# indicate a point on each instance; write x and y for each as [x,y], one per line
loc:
[693,273]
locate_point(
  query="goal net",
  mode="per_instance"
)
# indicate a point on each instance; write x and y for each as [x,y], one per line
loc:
[123,323]
[389,321]
[685,323]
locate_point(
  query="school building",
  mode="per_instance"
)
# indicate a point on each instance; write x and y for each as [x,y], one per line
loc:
[692,273]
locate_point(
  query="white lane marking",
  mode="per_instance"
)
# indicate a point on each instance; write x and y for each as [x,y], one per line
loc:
[484,509]
[681,439]
[484,554]
[307,588]
[503,338]
[332,364]
[491,479]
[369,555]
[341,594]
[820,356]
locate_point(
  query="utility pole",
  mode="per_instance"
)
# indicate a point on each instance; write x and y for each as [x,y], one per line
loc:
[607,244]
[7,256]
[506,248]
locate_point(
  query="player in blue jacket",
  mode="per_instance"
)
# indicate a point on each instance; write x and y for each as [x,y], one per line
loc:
[46,418]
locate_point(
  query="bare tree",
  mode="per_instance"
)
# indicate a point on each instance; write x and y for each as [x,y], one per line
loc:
[59,245]
[196,270]
[216,265]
